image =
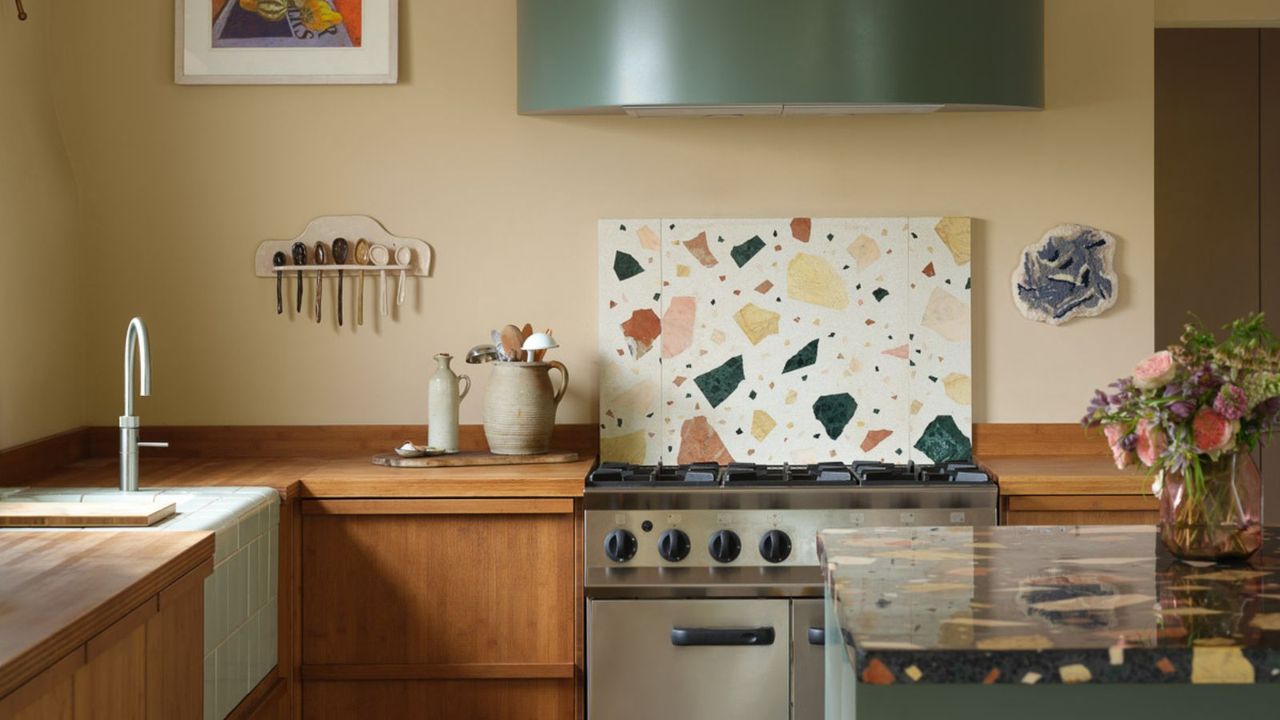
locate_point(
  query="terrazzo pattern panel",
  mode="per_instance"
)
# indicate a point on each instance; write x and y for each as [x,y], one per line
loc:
[784,340]
[1042,605]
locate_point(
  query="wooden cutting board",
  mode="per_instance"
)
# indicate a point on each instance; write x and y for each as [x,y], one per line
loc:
[83,514]
[472,458]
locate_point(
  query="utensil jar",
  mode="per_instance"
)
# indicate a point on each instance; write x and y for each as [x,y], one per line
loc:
[443,399]
[520,406]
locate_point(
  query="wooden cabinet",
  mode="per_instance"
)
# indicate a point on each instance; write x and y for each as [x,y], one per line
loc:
[1085,488]
[147,664]
[440,608]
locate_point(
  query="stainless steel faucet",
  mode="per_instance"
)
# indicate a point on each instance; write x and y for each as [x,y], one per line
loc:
[136,334]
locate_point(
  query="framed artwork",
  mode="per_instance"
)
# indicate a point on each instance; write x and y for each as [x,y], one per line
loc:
[285,42]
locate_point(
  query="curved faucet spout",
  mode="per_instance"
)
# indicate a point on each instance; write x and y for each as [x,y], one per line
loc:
[136,335]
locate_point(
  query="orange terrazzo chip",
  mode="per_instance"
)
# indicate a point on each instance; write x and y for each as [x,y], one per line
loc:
[1166,666]
[875,673]
[991,677]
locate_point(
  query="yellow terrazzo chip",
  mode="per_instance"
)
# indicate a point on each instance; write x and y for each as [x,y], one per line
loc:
[1073,674]
[1218,665]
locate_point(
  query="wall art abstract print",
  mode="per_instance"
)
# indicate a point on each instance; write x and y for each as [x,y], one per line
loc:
[235,42]
[286,23]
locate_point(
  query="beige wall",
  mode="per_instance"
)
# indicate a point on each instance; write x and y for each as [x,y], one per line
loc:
[41,377]
[179,185]
[1217,13]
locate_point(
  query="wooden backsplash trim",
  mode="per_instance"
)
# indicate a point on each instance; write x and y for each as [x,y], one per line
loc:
[1021,439]
[314,441]
[22,463]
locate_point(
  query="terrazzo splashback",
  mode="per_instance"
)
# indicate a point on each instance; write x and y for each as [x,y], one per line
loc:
[785,340]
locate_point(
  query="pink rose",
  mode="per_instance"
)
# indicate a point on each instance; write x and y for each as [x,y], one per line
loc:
[1151,442]
[1154,372]
[1115,433]
[1213,432]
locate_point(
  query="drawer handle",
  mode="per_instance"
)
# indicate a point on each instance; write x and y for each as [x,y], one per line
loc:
[691,637]
[817,636]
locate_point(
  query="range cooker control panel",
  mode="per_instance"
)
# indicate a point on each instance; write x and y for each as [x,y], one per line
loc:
[719,538]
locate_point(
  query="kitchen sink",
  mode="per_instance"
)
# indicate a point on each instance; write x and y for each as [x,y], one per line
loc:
[240,607]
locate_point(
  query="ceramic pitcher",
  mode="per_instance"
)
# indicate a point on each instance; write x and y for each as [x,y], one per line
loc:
[520,406]
[443,399]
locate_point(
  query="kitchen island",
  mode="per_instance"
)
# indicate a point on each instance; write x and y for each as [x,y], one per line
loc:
[1053,621]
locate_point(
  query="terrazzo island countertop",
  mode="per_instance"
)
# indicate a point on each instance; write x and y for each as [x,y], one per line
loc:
[1048,605]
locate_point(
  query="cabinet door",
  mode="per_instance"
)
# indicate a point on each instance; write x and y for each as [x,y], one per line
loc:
[689,659]
[423,589]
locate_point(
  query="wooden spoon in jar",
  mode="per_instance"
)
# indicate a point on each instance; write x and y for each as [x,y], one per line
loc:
[362,258]
[511,341]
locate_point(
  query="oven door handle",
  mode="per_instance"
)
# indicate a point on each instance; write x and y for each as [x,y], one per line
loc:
[817,636]
[692,637]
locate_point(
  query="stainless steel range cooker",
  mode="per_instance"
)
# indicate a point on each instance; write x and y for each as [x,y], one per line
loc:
[704,596]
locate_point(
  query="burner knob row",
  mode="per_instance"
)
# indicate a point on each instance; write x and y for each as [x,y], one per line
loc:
[673,545]
[724,546]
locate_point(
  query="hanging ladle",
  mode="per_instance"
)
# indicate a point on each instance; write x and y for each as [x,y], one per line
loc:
[277,261]
[404,256]
[299,259]
[322,258]
[340,247]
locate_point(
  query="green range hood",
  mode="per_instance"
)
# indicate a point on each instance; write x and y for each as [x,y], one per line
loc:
[779,57]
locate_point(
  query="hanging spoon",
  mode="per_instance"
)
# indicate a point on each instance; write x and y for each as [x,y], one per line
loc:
[299,259]
[322,259]
[362,258]
[379,255]
[404,256]
[340,247]
[277,261]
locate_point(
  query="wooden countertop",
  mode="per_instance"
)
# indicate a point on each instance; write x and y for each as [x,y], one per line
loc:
[61,588]
[341,478]
[1065,475]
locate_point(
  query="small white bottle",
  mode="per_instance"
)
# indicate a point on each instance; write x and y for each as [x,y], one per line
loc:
[443,399]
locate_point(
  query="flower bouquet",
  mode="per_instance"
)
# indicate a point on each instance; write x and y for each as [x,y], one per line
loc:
[1188,414]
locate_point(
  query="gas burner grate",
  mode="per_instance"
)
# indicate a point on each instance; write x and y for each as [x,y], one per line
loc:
[749,475]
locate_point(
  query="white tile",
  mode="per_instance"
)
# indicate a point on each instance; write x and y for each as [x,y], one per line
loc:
[250,527]
[210,688]
[273,513]
[257,579]
[226,542]
[225,690]
[212,630]
[271,632]
[237,589]
[273,561]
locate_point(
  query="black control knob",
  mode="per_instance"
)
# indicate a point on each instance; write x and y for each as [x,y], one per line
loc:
[620,545]
[775,546]
[724,546]
[673,545]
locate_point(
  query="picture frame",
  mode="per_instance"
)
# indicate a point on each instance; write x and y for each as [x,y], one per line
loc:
[286,42]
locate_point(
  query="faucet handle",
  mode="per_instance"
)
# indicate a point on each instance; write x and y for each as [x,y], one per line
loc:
[153,444]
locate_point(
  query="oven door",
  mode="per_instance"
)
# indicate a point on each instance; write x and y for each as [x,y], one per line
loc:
[807,665]
[651,659]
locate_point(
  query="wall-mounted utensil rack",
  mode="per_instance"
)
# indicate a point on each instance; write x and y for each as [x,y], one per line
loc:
[353,228]
[377,253]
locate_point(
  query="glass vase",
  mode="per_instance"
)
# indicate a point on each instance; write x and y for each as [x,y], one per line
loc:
[1217,516]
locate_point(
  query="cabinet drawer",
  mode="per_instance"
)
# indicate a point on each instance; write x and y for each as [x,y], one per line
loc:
[437,589]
